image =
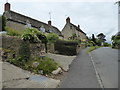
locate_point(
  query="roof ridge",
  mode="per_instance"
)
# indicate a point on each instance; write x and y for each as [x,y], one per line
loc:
[31,18]
[27,16]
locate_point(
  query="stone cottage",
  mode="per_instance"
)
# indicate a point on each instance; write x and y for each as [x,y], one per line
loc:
[20,22]
[70,29]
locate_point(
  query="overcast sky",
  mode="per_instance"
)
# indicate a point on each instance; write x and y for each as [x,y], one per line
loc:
[94,17]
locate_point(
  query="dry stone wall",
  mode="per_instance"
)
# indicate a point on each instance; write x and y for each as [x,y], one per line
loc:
[11,46]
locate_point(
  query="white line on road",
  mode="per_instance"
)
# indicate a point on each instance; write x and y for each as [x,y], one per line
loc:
[97,74]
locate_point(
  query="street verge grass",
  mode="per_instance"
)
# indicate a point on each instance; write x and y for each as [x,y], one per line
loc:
[92,48]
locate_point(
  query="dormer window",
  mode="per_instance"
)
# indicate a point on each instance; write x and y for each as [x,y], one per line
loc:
[42,29]
[28,25]
[50,30]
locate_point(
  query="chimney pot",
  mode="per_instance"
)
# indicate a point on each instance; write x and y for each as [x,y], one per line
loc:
[78,26]
[68,20]
[7,7]
[49,23]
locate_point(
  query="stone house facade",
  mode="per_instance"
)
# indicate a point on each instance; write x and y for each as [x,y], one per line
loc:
[70,29]
[20,22]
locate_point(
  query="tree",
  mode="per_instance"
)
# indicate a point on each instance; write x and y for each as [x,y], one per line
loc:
[116,40]
[101,38]
[3,19]
[93,39]
[52,37]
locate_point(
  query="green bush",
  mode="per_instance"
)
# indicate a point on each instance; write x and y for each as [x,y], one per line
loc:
[3,22]
[66,47]
[52,37]
[13,61]
[47,66]
[116,41]
[30,35]
[106,44]
[33,35]
[12,32]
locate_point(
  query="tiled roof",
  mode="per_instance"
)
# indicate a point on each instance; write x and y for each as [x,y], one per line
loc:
[77,28]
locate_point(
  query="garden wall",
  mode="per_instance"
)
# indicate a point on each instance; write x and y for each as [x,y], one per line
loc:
[13,46]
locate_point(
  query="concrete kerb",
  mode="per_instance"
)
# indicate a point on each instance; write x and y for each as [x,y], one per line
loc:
[96,72]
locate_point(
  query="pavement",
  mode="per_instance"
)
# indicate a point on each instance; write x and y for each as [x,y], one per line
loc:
[15,77]
[106,62]
[81,73]
[62,60]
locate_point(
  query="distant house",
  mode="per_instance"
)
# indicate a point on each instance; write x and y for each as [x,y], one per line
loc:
[70,30]
[20,22]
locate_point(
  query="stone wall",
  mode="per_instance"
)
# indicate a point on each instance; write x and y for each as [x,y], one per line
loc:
[12,45]
[69,30]
[50,48]
[16,26]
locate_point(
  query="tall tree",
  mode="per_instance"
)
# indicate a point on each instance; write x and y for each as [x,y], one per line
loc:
[3,20]
[101,37]
[93,38]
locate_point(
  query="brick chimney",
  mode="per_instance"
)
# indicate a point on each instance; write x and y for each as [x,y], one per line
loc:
[49,23]
[7,7]
[68,20]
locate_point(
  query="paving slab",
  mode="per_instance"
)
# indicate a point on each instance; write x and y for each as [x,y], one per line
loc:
[10,72]
[15,77]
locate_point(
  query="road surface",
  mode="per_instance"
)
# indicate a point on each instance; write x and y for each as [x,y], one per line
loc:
[81,74]
[106,62]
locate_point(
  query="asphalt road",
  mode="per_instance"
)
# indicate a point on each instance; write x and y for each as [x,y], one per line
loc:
[81,74]
[106,62]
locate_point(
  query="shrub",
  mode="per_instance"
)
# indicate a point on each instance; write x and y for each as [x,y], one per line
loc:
[52,37]
[66,47]
[30,34]
[2,22]
[116,41]
[47,66]
[13,61]
[106,44]
[33,35]
[12,32]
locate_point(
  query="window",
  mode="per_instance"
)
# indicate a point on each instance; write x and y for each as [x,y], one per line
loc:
[28,25]
[42,29]
[70,27]
[50,30]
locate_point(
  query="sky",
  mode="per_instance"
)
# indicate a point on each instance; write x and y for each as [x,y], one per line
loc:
[93,16]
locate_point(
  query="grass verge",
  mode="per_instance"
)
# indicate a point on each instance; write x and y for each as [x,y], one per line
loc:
[92,48]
